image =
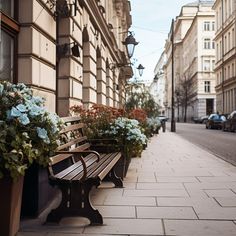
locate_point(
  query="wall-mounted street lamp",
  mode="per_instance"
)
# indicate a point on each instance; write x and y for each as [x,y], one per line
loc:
[140,69]
[63,8]
[130,43]
[113,66]
[65,48]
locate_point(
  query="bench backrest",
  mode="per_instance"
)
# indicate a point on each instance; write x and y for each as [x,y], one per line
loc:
[71,138]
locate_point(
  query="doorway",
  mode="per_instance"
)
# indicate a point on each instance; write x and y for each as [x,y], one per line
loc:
[209,106]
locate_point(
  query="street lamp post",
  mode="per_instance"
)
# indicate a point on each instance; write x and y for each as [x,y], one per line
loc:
[173,124]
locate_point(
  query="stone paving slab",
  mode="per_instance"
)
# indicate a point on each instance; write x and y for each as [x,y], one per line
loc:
[176,179]
[220,193]
[156,193]
[166,212]
[160,186]
[130,201]
[204,202]
[226,201]
[117,211]
[215,213]
[199,228]
[128,226]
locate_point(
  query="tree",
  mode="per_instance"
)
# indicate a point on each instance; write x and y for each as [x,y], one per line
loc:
[143,100]
[184,93]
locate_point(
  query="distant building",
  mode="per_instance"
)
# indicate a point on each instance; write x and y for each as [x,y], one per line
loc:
[157,88]
[41,42]
[194,58]
[225,68]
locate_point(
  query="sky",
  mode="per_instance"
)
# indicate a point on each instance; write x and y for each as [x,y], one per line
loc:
[151,22]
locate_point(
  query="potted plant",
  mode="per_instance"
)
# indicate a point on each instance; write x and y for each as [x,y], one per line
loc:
[29,134]
[108,130]
[130,138]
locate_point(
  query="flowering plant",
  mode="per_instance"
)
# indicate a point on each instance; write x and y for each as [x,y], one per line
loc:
[152,126]
[97,119]
[29,133]
[129,135]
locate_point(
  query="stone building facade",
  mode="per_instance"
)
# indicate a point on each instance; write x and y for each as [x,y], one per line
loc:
[40,42]
[194,59]
[158,86]
[225,68]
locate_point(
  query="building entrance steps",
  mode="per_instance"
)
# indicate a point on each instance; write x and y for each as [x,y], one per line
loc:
[175,188]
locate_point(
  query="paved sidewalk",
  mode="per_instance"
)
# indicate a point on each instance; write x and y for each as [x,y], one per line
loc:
[175,188]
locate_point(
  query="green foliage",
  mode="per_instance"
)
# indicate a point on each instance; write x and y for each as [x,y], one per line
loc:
[144,101]
[129,134]
[28,134]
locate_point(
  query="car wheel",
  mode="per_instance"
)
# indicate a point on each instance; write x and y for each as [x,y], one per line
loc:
[209,127]
[231,128]
[206,127]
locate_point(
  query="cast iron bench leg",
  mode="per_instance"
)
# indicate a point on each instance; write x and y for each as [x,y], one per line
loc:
[76,202]
[113,178]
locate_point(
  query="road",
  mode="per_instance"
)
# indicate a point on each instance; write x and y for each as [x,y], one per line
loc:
[222,144]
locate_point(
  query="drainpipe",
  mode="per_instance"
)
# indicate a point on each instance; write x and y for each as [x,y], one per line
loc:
[57,63]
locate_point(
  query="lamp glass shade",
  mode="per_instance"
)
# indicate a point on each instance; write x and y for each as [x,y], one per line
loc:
[140,69]
[130,44]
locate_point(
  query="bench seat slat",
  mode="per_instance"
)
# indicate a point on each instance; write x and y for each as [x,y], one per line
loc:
[79,172]
[76,166]
[89,169]
[105,166]
[110,165]
[105,159]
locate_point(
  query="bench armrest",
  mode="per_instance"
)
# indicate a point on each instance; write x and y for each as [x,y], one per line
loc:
[76,154]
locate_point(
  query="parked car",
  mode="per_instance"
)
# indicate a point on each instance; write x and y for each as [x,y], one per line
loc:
[215,121]
[230,123]
[163,118]
[200,120]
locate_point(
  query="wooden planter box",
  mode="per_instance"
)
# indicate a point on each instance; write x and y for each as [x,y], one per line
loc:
[122,166]
[10,205]
[37,193]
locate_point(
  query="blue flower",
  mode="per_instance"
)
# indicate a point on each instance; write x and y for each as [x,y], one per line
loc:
[15,112]
[37,100]
[42,133]
[24,120]
[36,110]
[21,108]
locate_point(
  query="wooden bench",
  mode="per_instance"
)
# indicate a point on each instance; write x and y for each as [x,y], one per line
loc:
[76,170]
